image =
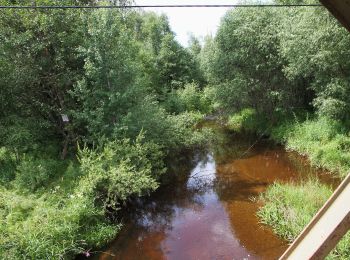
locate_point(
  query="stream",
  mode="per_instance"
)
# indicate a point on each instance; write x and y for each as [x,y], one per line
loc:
[209,210]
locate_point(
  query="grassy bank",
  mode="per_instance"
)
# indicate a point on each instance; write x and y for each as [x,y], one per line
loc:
[56,209]
[289,207]
[326,143]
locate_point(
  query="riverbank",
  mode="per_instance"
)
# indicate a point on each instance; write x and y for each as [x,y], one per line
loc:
[324,142]
[207,211]
[57,209]
[288,207]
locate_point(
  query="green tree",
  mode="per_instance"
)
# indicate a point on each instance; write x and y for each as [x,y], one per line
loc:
[109,87]
[315,47]
[248,67]
[42,50]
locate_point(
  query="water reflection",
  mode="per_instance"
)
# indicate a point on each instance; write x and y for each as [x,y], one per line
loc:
[208,211]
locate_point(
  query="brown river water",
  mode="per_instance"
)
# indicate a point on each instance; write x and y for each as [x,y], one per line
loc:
[209,210]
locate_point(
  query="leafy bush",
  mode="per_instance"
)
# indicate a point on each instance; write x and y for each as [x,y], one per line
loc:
[288,208]
[7,165]
[33,173]
[244,120]
[42,227]
[16,133]
[119,170]
[281,132]
[193,99]
[189,98]
[171,132]
[149,118]
[69,216]
[184,131]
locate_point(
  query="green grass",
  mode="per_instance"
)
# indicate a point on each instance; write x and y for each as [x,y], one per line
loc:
[245,120]
[52,223]
[289,207]
[55,210]
[324,141]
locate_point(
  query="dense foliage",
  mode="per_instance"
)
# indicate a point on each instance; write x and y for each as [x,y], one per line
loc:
[276,60]
[92,101]
[270,69]
[285,73]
